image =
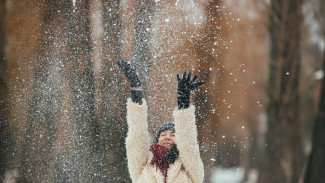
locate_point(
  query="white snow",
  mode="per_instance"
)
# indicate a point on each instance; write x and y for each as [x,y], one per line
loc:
[319,75]
[74,3]
[227,175]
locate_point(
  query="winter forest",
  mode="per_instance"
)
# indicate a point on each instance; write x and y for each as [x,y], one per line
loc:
[260,114]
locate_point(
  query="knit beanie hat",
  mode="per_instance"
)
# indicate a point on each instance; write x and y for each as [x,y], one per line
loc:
[167,126]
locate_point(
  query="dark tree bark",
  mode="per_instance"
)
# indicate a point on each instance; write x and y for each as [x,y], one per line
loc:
[113,96]
[3,128]
[44,111]
[213,147]
[316,164]
[50,151]
[45,107]
[141,51]
[283,143]
[88,150]
[6,138]
[2,39]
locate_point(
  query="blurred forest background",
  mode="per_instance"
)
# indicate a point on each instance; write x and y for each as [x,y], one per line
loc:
[63,98]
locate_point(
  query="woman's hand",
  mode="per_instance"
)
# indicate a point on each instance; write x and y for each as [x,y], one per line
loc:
[130,72]
[185,86]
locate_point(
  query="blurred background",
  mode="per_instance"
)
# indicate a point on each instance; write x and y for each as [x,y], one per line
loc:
[260,114]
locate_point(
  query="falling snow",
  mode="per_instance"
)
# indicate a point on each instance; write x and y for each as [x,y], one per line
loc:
[77,97]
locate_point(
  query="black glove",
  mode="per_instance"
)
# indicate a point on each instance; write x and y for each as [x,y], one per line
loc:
[130,73]
[133,77]
[185,86]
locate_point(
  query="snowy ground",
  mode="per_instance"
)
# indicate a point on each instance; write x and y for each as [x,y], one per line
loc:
[228,175]
[233,175]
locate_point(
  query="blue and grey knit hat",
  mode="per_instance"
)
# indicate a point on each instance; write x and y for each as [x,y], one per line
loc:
[167,126]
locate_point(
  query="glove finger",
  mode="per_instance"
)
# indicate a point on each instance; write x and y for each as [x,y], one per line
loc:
[198,84]
[178,79]
[124,64]
[135,67]
[194,78]
[121,66]
[184,75]
[189,76]
[128,65]
[119,63]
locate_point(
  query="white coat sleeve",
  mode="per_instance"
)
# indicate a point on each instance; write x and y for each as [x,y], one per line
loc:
[187,144]
[137,144]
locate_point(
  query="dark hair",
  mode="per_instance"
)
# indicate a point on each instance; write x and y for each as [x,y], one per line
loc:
[167,126]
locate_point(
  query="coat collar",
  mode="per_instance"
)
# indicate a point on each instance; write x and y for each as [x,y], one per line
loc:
[173,170]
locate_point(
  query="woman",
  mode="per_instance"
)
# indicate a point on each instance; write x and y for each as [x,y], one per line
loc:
[175,157]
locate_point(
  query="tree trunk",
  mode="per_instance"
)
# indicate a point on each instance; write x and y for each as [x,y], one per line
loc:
[211,51]
[141,51]
[88,152]
[316,164]
[113,96]
[44,113]
[3,144]
[283,143]
[6,138]
[22,27]
[61,139]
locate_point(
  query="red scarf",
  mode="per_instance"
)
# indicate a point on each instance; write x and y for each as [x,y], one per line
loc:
[159,153]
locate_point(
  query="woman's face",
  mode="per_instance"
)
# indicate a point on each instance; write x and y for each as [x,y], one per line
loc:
[167,138]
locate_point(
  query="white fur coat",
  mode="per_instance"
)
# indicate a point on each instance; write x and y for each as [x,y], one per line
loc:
[188,168]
